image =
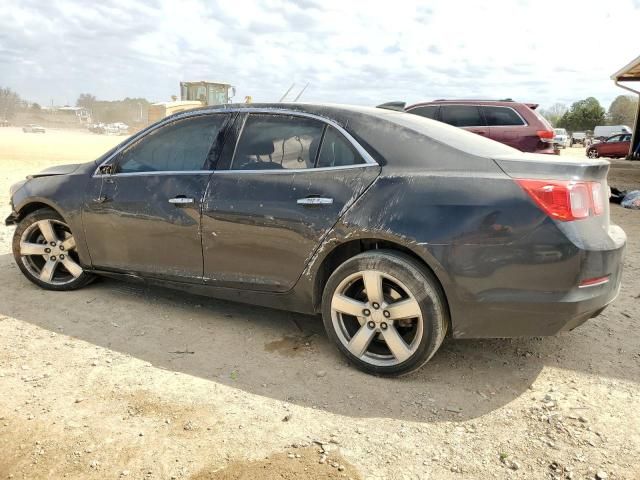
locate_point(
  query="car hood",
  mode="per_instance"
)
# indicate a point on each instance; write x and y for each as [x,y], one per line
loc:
[56,170]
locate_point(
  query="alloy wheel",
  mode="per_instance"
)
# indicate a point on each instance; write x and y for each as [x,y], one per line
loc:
[377,318]
[48,252]
[592,153]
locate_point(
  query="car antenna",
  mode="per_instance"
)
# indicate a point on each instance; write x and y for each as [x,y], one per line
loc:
[286,93]
[301,92]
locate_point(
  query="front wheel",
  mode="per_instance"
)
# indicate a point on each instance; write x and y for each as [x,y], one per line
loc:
[593,153]
[385,312]
[45,250]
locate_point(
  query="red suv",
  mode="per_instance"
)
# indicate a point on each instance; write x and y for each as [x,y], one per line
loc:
[515,124]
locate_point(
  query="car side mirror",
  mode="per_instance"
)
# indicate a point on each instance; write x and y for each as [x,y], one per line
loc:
[106,169]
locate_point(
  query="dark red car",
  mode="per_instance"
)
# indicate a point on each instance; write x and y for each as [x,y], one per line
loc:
[616,146]
[512,123]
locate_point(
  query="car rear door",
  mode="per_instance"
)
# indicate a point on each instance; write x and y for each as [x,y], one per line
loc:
[465,116]
[508,127]
[277,191]
[144,217]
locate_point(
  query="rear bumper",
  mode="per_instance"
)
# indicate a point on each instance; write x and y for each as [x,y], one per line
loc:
[545,299]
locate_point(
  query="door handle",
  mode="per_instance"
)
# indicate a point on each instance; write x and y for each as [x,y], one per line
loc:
[181,200]
[315,201]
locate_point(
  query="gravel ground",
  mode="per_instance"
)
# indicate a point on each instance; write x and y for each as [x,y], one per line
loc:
[122,381]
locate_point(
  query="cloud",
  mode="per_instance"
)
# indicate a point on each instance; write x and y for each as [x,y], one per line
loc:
[53,51]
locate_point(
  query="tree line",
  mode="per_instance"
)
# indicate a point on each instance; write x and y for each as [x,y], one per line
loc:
[584,115]
[129,110]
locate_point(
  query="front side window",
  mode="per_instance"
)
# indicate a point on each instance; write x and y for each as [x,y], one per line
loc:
[183,145]
[504,116]
[271,142]
[428,111]
[461,115]
[615,138]
[336,151]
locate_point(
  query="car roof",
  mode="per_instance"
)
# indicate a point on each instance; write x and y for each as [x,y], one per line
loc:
[474,101]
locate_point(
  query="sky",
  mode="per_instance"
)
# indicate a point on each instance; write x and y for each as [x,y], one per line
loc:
[358,52]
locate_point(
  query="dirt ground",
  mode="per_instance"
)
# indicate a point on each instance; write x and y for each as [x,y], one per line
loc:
[122,381]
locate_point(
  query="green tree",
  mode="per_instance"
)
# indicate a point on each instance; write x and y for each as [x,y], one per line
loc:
[583,115]
[623,110]
[36,107]
[9,103]
[86,100]
[554,113]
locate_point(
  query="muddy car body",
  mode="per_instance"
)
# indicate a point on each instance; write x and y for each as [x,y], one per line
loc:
[398,229]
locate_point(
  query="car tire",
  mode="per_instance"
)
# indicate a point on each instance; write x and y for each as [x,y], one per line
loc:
[45,251]
[396,327]
[593,153]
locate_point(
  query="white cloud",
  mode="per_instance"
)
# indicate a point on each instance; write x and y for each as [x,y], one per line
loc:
[352,52]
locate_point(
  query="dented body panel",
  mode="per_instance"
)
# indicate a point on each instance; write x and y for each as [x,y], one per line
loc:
[256,235]
[445,196]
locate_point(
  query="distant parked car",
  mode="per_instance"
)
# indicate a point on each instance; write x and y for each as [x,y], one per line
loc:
[578,137]
[603,132]
[512,123]
[33,128]
[615,146]
[561,137]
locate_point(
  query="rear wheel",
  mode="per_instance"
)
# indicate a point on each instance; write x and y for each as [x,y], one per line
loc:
[593,153]
[385,312]
[45,250]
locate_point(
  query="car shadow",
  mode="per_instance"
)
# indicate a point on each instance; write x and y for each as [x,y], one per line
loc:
[286,356]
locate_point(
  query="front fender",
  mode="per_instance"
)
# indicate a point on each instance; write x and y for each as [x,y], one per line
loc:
[62,193]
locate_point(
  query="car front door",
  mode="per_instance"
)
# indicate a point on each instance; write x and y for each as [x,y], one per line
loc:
[144,216]
[622,147]
[610,146]
[278,191]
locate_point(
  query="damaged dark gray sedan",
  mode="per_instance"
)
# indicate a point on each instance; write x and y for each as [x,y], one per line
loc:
[399,230]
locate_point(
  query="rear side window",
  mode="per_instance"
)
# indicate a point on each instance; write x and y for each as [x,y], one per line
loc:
[271,142]
[461,115]
[503,117]
[180,146]
[428,111]
[336,151]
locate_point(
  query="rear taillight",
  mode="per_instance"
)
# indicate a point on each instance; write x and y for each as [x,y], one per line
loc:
[565,200]
[546,135]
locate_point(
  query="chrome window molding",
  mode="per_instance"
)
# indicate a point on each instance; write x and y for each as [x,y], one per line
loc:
[159,172]
[293,170]
[369,161]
